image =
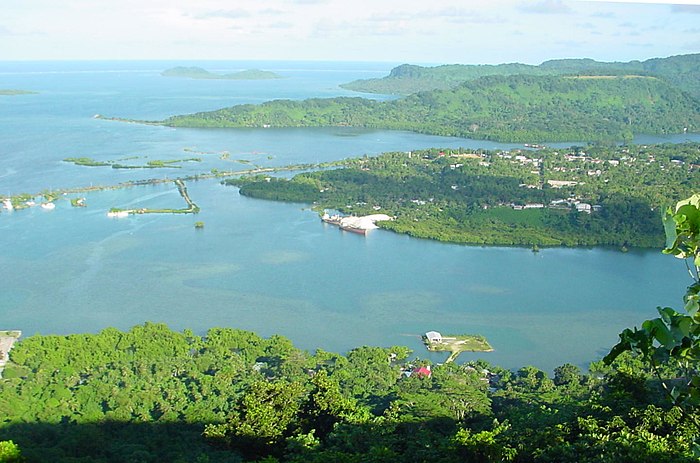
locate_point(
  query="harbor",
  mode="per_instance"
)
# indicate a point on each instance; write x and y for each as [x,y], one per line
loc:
[360,225]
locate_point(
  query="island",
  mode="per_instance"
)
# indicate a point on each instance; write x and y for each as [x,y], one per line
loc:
[557,101]
[193,72]
[153,164]
[13,92]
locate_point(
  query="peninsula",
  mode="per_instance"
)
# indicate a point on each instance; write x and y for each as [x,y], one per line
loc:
[194,72]
[580,196]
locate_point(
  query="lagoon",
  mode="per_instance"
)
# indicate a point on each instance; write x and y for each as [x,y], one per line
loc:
[263,266]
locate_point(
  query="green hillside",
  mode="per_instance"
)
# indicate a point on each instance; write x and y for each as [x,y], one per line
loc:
[682,71]
[510,109]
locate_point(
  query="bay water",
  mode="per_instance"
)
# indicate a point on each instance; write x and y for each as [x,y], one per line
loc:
[272,268]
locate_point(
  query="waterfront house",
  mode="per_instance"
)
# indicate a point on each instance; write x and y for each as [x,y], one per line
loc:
[433,337]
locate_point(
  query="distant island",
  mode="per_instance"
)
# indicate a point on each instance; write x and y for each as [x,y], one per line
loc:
[194,72]
[682,71]
[12,92]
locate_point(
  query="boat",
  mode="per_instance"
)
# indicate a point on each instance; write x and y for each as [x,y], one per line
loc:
[118,214]
[353,229]
[331,219]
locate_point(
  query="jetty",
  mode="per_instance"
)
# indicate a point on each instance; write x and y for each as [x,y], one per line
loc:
[7,340]
[455,344]
[22,201]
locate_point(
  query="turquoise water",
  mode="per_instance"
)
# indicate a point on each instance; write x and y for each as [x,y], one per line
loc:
[265,266]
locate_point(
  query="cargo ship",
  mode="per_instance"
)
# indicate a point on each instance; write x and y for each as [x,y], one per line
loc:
[331,219]
[359,225]
[353,229]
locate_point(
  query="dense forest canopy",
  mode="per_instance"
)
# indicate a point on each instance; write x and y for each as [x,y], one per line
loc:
[153,395]
[516,108]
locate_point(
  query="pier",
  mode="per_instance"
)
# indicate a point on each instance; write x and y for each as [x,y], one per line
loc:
[455,344]
[20,201]
[191,208]
[7,340]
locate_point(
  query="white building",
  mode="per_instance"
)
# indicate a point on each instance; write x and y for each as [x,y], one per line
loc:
[433,336]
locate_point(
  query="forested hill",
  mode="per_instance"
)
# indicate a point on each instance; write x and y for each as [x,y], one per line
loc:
[504,108]
[682,71]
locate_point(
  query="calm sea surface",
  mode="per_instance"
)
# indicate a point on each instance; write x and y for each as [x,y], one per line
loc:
[265,266]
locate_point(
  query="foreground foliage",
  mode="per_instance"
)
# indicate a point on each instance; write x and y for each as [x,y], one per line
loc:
[152,394]
[674,338]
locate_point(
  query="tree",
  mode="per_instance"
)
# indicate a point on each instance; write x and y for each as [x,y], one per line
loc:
[9,452]
[674,338]
[263,418]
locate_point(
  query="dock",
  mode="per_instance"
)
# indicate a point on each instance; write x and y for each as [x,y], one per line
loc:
[455,344]
[7,340]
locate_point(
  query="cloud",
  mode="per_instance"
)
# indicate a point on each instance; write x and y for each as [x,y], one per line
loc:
[280,25]
[692,46]
[454,14]
[4,30]
[271,12]
[589,26]
[226,14]
[604,15]
[686,9]
[546,7]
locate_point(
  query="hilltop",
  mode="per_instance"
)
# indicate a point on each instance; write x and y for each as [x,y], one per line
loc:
[682,71]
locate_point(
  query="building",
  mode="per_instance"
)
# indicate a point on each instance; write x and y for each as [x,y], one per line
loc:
[422,372]
[433,337]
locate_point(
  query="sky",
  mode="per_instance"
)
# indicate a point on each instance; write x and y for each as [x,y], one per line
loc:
[411,31]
